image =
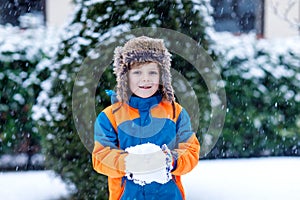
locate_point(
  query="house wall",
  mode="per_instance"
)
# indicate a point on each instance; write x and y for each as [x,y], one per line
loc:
[58,11]
[275,26]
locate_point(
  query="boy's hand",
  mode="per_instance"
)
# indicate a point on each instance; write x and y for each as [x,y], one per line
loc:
[169,157]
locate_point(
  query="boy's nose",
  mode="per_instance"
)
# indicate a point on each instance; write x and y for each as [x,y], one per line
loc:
[145,78]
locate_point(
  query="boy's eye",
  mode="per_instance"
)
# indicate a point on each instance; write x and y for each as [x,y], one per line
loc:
[136,72]
[153,72]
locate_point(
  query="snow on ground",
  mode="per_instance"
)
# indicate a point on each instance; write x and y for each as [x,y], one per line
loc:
[247,179]
[31,185]
[231,179]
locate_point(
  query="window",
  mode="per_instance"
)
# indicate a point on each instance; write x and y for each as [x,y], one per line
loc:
[22,13]
[238,16]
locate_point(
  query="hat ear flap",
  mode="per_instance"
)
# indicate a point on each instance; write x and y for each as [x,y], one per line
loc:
[167,86]
[122,87]
[120,70]
[167,77]
[118,60]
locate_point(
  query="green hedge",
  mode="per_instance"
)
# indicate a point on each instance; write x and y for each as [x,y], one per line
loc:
[20,53]
[263,94]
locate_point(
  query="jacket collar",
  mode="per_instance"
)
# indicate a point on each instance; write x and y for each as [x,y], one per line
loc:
[145,103]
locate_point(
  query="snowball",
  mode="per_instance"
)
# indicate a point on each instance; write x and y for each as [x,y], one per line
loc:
[153,168]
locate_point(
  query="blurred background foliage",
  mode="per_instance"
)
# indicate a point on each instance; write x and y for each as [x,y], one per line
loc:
[262,87]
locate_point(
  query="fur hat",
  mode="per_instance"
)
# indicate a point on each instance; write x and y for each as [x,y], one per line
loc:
[139,50]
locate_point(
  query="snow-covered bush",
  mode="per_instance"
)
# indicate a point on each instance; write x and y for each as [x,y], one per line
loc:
[94,22]
[20,51]
[263,94]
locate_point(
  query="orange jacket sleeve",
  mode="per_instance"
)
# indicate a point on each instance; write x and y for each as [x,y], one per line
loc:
[188,148]
[107,158]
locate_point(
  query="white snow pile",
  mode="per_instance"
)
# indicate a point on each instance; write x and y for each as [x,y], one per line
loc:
[231,179]
[27,44]
[33,185]
[143,173]
[273,178]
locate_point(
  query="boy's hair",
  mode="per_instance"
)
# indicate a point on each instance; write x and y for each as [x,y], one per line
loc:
[141,50]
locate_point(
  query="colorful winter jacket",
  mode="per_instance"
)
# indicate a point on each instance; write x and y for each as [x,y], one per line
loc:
[153,120]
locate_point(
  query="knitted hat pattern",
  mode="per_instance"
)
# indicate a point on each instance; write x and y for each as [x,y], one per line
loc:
[139,50]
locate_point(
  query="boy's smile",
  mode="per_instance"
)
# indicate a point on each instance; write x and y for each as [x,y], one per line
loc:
[144,79]
[145,87]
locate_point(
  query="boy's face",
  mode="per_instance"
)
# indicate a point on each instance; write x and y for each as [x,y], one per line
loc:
[144,79]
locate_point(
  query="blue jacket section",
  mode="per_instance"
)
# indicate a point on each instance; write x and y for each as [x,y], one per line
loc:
[140,121]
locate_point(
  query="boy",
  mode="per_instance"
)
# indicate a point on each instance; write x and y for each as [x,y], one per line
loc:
[145,115]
